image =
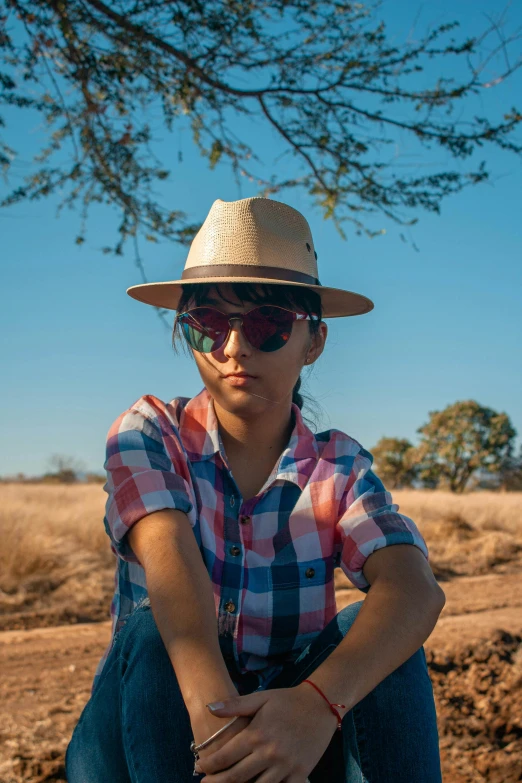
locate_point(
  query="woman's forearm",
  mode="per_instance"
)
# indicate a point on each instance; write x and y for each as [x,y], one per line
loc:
[392,623]
[182,603]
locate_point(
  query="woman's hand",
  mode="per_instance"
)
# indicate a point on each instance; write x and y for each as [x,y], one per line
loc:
[288,733]
[205,725]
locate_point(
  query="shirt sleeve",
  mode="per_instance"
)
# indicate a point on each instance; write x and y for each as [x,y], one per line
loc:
[141,478]
[370,521]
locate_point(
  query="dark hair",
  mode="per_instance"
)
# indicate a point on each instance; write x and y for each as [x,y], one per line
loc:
[304,299]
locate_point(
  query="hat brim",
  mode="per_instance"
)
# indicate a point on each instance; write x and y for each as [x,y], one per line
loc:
[336,302]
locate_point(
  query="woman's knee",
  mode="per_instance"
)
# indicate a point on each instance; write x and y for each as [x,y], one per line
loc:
[346,617]
[141,637]
[141,647]
[415,665]
[146,664]
[415,669]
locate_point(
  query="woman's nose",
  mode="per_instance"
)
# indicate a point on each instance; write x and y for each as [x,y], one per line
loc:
[236,344]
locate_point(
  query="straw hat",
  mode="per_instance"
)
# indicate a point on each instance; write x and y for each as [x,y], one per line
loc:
[253,240]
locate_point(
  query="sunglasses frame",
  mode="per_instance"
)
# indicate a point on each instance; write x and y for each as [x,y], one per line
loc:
[239,317]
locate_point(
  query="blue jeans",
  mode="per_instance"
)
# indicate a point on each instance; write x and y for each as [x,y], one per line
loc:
[135,728]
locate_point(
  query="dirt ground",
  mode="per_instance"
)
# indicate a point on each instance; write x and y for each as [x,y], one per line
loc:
[474,656]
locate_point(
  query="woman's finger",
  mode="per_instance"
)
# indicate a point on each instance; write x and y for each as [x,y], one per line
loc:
[240,705]
[278,775]
[231,753]
[246,770]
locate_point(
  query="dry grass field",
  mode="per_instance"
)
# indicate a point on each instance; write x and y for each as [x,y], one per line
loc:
[56,582]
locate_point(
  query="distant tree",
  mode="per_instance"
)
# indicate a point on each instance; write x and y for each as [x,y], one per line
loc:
[484,480]
[510,473]
[18,478]
[67,477]
[323,77]
[95,478]
[393,464]
[463,438]
[64,469]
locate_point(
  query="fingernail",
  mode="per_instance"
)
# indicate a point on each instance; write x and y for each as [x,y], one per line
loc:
[198,768]
[215,705]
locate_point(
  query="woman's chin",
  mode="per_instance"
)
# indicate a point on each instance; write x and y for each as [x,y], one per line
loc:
[239,400]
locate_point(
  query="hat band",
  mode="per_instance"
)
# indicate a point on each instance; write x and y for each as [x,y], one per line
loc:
[249,270]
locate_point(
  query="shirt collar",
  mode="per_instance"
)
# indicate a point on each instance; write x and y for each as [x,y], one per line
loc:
[198,427]
[200,436]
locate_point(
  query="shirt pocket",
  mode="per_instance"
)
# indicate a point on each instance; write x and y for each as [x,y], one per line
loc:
[303,598]
[302,574]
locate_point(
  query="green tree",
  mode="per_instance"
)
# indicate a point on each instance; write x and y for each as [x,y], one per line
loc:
[463,438]
[510,473]
[393,464]
[322,76]
[95,478]
[64,469]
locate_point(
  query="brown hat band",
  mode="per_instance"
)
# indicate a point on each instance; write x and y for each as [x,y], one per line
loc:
[249,270]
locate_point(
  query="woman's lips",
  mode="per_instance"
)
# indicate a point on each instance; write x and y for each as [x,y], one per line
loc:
[239,380]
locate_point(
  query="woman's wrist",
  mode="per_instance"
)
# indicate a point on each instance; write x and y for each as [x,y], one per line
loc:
[204,726]
[311,697]
[208,683]
[197,703]
[210,692]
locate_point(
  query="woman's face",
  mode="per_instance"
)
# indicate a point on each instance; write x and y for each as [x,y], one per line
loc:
[271,376]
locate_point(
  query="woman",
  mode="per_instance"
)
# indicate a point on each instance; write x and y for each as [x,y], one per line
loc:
[228,507]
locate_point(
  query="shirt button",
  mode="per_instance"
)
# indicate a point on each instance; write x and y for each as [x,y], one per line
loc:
[309,573]
[230,607]
[232,501]
[245,520]
[235,550]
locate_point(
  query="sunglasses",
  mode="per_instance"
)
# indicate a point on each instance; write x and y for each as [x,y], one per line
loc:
[267,328]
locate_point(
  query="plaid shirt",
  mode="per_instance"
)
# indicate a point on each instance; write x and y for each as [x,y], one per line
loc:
[270,559]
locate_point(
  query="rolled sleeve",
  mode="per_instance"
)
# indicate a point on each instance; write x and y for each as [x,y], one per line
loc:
[141,478]
[370,521]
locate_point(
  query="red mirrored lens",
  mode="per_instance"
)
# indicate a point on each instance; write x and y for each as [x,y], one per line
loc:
[268,328]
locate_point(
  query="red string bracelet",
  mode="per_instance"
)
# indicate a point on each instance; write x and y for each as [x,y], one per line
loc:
[332,706]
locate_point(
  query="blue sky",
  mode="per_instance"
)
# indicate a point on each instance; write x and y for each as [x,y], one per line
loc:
[77,350]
